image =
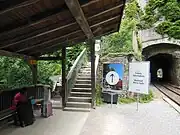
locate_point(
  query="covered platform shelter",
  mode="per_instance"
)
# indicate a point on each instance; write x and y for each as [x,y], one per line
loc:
[32,28]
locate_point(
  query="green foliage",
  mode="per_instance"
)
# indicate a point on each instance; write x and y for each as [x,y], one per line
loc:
[14,73]
[47,69]
[142,99]
[122,41]
[99,100]
[167,13]
[126,100]
[146,98]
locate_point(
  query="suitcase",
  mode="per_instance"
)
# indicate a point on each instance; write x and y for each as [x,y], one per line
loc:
[47,109]
[25,114]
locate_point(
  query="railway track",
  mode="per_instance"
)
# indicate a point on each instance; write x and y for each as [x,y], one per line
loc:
[171,91]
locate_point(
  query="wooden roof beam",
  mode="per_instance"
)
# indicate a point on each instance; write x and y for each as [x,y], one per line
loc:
[59,39]
[78,14]
[49,58]
[16,55]
[57,29]
[47,32]
[21,28]
[57,46]
[7,5]
[96,32]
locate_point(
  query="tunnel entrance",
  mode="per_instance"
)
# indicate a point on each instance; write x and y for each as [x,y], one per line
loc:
[161,68]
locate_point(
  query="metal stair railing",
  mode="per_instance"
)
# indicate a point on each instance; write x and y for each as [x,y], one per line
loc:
[71,77]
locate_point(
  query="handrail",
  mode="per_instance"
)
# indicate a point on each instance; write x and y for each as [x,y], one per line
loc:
[75,64]
[71,77]
[54,86]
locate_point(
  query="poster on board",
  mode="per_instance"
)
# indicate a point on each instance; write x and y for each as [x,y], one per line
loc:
[113,76]
[139,77]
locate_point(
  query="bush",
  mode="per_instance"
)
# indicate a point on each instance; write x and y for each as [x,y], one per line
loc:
[146,98]
[126,100]
[142,99]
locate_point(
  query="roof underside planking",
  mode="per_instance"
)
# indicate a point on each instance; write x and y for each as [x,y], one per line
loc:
[37,27]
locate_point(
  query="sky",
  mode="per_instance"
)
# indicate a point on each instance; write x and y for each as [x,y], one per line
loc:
[119,68]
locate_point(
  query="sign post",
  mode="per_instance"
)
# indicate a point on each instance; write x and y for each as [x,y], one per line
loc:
[139,78]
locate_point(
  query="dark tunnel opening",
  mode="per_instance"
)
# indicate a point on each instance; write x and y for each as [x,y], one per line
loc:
[161,68]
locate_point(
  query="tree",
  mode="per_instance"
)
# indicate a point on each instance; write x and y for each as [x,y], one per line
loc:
[122,41]
[164,15]
[14,73]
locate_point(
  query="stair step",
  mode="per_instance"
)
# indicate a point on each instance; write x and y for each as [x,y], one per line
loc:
[81,94]
[85,69]
[84,77]
[82,85]
[78,81]
[79,99]
[77,109]
[87,66]
[81,89]
[78,104]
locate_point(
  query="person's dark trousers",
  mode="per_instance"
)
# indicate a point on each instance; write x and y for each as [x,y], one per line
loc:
[15,117]
[18,115]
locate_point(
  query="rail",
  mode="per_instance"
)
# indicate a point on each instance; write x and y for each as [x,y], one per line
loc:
[71,77]
[6,96]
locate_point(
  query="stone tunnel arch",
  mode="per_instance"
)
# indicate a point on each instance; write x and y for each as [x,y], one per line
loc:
[165,57]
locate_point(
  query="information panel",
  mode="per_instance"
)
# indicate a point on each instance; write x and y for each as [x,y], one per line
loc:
[139,77]
[113,76]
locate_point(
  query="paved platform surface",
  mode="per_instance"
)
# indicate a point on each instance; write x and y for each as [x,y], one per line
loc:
[154,118]
[61,123]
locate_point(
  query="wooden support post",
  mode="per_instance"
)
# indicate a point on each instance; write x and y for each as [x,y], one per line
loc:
[92,48]
[34,73]
[63,76]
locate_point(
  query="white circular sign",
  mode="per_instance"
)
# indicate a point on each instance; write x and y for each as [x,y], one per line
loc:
[112,78]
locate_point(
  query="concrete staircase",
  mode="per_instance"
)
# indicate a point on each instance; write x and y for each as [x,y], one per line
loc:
[80,96]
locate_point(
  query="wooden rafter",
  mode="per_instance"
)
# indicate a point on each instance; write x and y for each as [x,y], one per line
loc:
[22,48]
[49,58]
[51,48]
[50,27]
[89,18]
[8,5]
[78,14]
[44,33]
[55,47]
[106,11]
[13,54]
[53,41]
[61,38]
[34,24]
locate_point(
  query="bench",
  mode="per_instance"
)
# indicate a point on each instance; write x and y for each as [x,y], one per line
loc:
[6,114]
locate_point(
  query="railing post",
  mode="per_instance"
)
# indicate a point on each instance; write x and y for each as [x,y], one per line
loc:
[63,76]
[92,48]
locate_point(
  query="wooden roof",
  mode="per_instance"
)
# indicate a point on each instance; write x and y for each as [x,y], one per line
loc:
[36,27]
